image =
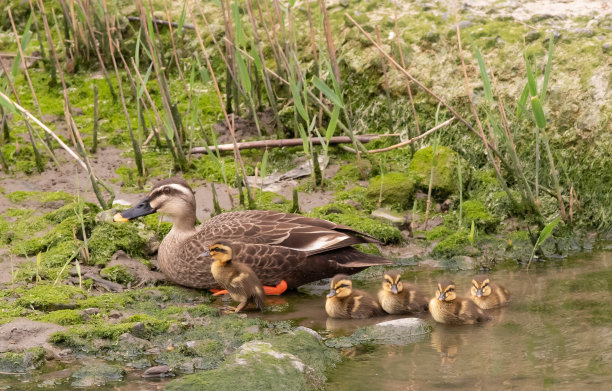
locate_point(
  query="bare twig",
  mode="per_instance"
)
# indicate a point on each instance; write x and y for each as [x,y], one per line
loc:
[289,142]
[161,22]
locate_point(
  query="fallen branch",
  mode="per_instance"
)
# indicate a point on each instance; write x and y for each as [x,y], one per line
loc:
[290,142]
[408,142]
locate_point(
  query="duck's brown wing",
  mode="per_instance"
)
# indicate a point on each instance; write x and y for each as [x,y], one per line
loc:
[284,229]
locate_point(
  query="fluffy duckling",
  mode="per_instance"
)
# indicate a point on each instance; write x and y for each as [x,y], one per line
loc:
[447,308]
[487,294]
[238,278]
[397,297]
[347,303]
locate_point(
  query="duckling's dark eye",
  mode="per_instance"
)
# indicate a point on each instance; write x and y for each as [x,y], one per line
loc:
[388,282]
[451,289]
[342,286]
[485,285]
[166,190]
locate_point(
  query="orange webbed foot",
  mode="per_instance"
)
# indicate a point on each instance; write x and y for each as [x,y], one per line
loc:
[218,292]
[276,290]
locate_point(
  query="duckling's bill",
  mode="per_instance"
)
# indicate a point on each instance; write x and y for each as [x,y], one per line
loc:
[143,208]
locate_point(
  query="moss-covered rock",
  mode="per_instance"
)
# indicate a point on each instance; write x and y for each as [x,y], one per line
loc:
[106,239]
[393,188]
[293,362]
[455,244]
[348,215]
[97,374]
[445,180]
[20,362]
[63,317]
[474,210]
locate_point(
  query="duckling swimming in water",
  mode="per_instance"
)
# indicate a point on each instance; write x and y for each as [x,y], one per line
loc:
[447,308]
[238,278]
[345,302]
[487,294]
[398,297]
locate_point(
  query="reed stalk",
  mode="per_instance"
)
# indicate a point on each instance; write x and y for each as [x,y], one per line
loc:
[96,125]
[385,83]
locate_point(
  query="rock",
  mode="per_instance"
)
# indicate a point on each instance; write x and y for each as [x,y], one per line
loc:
[432,223]
[386,214]
[465,24]
[159,371]
[106,216]
[139,330]
[445,173]
[395,332]
[91,311]
[12,362]
[294,361]
[309,331]
[430,263]
[97,374]
[532,36]
[463,262]
[396,189]
[22,334]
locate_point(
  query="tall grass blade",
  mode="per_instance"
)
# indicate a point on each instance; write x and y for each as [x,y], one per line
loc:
[551,45]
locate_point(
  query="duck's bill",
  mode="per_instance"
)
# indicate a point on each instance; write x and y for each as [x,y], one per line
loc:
[331,293]
[442,297]
[143,208]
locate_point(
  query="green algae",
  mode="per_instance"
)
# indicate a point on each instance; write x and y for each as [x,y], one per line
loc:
[18,197]
[21,362]
[393,188]
[348,215]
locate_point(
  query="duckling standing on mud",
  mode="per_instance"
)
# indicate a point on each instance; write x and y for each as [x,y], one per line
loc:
[398,297]
[347,303]
[447,308]
[487,294]
[238,278]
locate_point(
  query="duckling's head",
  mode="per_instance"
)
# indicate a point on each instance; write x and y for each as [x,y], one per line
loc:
[221,251]
[172,196]
[392,282]
[446,291]
[341,286]
[481,286]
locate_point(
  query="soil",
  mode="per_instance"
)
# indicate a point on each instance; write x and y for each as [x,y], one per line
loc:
[22,333]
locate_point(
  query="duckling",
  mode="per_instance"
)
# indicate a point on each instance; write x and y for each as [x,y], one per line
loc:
[487,294]
[238,278]
[345,302]
[447,308]
[398,297]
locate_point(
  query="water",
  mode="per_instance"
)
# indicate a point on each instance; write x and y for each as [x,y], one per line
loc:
[556,333]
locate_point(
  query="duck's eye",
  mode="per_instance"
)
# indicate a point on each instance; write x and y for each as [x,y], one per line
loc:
[485,285]
[388,282]
[451,289]
[166,190]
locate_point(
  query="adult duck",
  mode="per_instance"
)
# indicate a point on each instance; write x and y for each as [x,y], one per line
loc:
[278,246]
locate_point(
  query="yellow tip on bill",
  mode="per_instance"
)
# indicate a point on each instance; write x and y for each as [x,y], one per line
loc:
[117,217]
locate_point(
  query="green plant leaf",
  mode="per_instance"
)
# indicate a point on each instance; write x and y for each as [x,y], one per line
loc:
[531,81]
[547,231]
[7,104]
[551,45]
[304,138]
[25,40]
[181,21]
[243,72]
[331,127]
[538,112]
[486,83]
[522,102]
[328,92]
[297,100]
[264,165]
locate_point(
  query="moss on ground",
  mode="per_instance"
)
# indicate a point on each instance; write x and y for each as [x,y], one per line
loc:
[48,297]
[21,362]
[452,245]
[108,238]
[474,210]
[118,274]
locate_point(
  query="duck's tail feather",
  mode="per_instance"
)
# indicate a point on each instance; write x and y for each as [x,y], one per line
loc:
[352,258]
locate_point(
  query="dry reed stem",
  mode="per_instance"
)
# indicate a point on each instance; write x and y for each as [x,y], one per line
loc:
[401,53]
[46,129]
[229,123]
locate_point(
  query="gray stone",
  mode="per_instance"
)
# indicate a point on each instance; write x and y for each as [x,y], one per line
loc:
[309,331]
[97,374]
[158,371]
[21,334]
[389,216]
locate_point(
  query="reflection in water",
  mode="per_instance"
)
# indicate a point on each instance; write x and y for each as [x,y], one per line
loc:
[556,333]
